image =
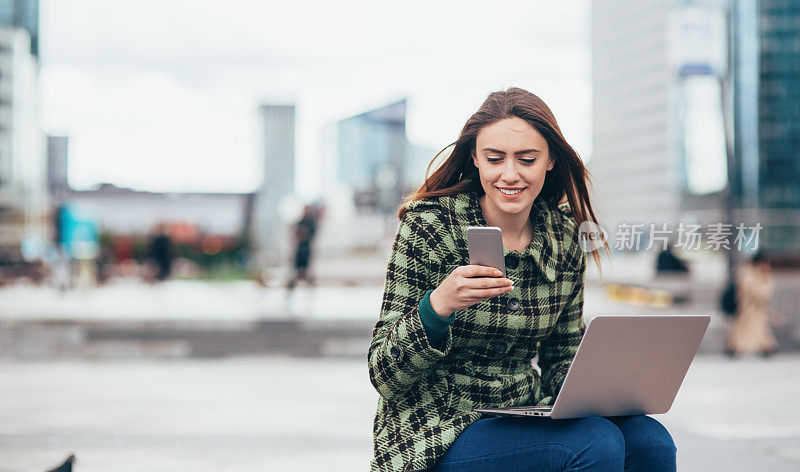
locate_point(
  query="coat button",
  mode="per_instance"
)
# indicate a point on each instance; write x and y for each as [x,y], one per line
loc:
[394,352]
[511,262]
[513,304]
[500,347]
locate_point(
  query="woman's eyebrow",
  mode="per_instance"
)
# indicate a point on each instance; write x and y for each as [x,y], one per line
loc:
[497,151]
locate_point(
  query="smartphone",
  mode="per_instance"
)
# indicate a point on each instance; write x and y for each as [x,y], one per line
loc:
[485,244]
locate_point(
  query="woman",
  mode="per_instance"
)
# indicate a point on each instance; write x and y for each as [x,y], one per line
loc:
[453,337]
[751,331]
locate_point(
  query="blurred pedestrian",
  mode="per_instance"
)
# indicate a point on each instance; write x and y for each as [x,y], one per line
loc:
[123,248]
[750,331]
[104,260]
[161,251]
[303,233]
[63,269]
[668,263]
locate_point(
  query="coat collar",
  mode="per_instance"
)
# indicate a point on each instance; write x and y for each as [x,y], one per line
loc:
[545,246]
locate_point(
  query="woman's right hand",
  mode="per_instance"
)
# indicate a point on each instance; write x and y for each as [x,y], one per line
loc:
[466,286]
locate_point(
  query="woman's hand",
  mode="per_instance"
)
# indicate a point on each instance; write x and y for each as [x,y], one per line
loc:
[466,286]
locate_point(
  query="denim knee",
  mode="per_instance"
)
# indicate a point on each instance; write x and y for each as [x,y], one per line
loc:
[649,446]
[605,445]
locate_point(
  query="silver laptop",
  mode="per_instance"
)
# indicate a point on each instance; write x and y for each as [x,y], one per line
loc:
[625,365]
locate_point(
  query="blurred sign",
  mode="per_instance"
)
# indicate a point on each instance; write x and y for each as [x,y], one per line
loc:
[705,155]
[697,41]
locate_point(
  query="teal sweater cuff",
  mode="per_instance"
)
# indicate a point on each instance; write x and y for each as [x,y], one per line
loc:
[435,325]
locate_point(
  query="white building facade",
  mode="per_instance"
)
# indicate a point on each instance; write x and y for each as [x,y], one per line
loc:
[23,168]
[635,141]
[270,230]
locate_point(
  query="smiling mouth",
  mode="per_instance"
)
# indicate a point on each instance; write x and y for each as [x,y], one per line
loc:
[510,191]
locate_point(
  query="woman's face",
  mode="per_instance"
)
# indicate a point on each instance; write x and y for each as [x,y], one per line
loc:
[512,158]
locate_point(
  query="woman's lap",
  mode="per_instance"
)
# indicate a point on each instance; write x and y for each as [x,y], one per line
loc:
[648,444]
[538,444]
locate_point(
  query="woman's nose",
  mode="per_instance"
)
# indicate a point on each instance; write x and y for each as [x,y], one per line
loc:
[510,173]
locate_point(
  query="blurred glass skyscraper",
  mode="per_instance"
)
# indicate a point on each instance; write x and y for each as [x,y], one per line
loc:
[779,103]
[767,76]
[23,14]
[373,156]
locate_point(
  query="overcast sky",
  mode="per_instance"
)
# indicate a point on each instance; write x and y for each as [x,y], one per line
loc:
[163,95]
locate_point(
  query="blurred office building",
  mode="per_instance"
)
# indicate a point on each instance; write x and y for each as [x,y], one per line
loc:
[23,184]
[23,14]
[57,170]
[127,211]
[778,178]
[260,219]
[123,211]
[373,151]
[370,166]
[375,158]
[664,91]
[273,206]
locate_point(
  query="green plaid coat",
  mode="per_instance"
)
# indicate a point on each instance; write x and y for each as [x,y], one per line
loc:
[486,358]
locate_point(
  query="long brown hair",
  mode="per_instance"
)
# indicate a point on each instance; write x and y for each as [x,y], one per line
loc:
[566,182]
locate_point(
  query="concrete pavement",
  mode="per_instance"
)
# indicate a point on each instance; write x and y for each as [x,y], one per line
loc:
[188,300]
[128,319]
[280,414]
[80,375]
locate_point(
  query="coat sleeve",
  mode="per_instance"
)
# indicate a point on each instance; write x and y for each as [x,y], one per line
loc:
[557,351]
[400,353]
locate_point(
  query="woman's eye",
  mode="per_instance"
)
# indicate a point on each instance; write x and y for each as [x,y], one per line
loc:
[493,159]
[528,161]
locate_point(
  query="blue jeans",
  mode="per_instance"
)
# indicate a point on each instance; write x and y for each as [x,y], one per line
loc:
[619,443]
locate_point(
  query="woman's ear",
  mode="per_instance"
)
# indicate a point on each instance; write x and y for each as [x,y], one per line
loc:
[550,163]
